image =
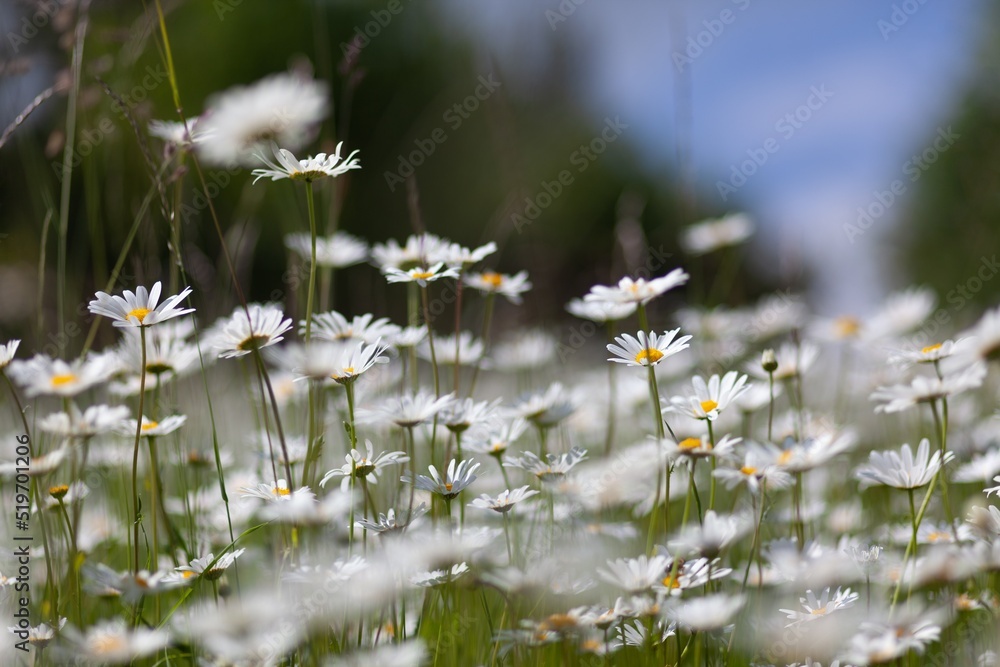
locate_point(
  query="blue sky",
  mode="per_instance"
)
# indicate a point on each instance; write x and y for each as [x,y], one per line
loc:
[891,91]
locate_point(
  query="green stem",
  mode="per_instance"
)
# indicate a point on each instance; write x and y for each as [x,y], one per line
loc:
[312,263]
[135,454]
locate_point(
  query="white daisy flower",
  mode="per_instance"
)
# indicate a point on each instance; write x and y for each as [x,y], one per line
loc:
[901,469]
[283,108]
[712,536]
[151,428]
[458,476]
[639,291]
[552,469]
[355,361]
[408,337]
[139,309]
[338,251]
[709,398]
[239,336]
[929,354]
[460,257]
[366,465]
[600,311]
[648,349]
[416,252]
[759,470]
[274,492]
[497,439]
[419,274]
[793,361]
[38,636]
[37,465]
[208,566]
[527,350]
[700,447]
[708,235]
[42,375]
[95,420]
[705,614]
[7,352]
[490,282]
[635,575]
[176,133]
[407,410]
[462,415]
[470,349]
[113,642]
[286,165]
[882,642]
[504,502]
[546,408]
[407,654]
[924,389]
[820,607]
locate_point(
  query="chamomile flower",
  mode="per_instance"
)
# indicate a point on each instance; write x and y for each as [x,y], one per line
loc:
[460,257]
[354,361]
[364,465]
[332,326]
[239,335]
[282,108]
[406,411]
[462,415]
[95,420]
[490,282]
[42,375]
[276,492]
[704,237]
[151,428]
[7,352]
[903,470]
[712,536]
[504,502]
[458,476]
[546,408]
[552,469]
[139,309]
[420,274]
[640,291]
[880,643]
[469,349]
[705,614]
[819,607]
[924,389]
[929,354]
[600,311]
[208,566]
[709,398]
[113,642]
[39,636]
[635,575]
[286,165]
[700,447]
[759,471]
[648,349]
[176,133]
[498,438]
[338,251]
[416,252]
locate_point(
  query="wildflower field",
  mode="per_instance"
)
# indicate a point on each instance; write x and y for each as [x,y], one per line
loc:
[374,454]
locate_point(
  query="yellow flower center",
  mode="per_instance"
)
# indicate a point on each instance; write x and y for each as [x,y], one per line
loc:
[709,405]
[748,470]
[280,491]
[150,425]
[649,355]
[422,275]
[939,536]
[688,444]
[671,582]
[107,644]
[557,622]
[253,342]
[591,645]
[492,279]
[847,326]
[187,574]
[785,457]
[58,491]
[64,379]
[347,370]
[930,348]
[818,612]
[448,486]
[138,313]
